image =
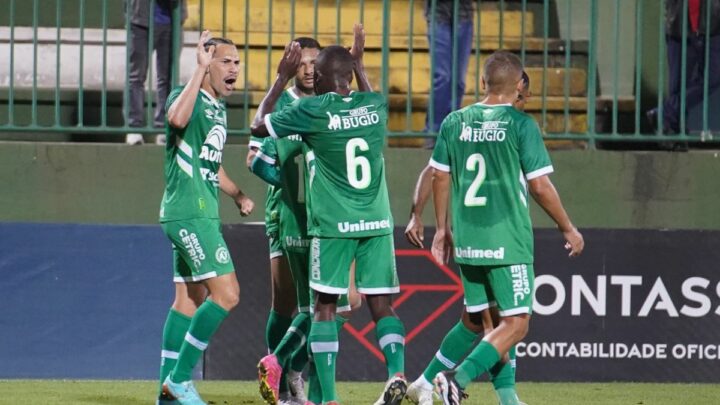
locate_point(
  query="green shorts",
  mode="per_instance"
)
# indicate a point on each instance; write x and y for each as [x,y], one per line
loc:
[299,260]
[375,271]
[199,250]
[508,287]
[276,249]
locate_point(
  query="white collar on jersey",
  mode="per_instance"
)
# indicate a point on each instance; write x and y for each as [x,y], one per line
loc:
[291,92]
[495,105]
[212,99]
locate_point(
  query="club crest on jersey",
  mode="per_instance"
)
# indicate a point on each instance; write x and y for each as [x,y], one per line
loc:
[355,118]
[489,131]
[214,143]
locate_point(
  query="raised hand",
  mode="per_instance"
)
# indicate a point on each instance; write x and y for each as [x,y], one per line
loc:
[204,57]
[358,47]
[290,61]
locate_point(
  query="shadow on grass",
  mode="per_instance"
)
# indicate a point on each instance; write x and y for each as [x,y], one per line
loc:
[122,399]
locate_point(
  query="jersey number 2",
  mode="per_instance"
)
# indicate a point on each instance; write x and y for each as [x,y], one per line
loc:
[353,162]
[475,161]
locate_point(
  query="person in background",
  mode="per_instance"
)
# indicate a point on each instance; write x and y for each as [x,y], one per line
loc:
[144,14]
[697,29]
[441,32]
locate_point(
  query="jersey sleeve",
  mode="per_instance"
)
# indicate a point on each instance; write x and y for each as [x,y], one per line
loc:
[268,151]
[534,157]
[440,159]
[297,118]
[174,94]
[264,165]
[255,142]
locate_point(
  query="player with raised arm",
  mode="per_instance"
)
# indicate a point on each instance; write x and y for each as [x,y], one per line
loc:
[490,155]
[350,214]
[206,287]
[421,390]
[283,163]
[283,331]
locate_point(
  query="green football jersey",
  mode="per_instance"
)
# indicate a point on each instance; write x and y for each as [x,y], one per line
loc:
[272,214]
[289,155]
[491,151]
[346,135]
[192,160]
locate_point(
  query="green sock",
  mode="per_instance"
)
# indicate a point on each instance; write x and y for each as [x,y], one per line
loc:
[275,329]
[513,358]
[480,360]
[314,389]
[390,334]
[456,343]
[202,326]
[502,376]
[340,321]
[324,348]
[294,339]
[176,325]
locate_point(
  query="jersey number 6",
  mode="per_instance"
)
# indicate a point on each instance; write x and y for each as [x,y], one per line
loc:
[353,162]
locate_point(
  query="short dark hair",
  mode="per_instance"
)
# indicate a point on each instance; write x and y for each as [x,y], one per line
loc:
[502,71]
[526,80]
[217,41]
[307,42]
[335,61]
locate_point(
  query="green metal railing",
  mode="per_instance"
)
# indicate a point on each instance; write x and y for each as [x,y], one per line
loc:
[580,88]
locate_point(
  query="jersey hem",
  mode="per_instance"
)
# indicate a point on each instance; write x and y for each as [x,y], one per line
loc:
[378,291]
[328,290]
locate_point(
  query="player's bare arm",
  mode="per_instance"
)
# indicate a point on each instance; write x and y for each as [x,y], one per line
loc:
[415,229]
[442,242]
[181,110]
[287,69]
[243,202]
[545,194]
[357,51]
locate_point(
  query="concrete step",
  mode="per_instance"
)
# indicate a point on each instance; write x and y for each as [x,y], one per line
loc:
[419,82]
[404,20]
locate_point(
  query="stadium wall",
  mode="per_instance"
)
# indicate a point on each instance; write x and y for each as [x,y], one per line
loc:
[89,301]
[117,184]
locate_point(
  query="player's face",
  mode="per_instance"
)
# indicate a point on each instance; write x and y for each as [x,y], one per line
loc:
[224,69]
[305,77]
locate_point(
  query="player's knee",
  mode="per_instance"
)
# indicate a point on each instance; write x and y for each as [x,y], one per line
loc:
[228,299]
[519,326]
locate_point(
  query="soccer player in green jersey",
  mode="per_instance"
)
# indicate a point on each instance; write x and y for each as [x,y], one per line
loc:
[490,155]
[285,296]
[283,164]
[421,390]
[206,287]
[350,213]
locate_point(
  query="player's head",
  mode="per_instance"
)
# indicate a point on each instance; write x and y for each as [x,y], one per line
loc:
[524,94]
[333,69]
[305,77]
[225,66]
[502,74]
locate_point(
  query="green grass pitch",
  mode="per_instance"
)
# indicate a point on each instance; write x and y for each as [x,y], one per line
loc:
[85,392]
